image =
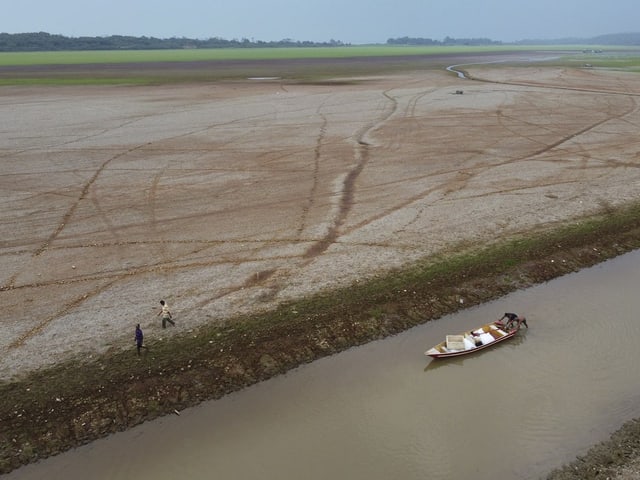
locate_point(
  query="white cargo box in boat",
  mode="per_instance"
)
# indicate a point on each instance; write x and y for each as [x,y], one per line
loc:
[455,342]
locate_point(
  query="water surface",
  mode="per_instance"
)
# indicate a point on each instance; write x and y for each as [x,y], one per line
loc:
[384,410]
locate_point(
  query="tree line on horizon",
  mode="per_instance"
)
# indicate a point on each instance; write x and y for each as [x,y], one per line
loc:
[628,39]
[43,41]
[447,41]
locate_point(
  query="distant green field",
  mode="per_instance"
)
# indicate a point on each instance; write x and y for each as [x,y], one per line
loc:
[191,55]
[153,67]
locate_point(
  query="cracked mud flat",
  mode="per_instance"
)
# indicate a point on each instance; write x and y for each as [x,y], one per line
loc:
[234,197]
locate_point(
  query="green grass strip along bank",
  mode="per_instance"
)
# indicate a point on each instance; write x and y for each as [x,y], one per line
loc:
[198,55]
[75,402]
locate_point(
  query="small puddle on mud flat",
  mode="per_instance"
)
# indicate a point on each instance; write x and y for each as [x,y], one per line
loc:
[384,410]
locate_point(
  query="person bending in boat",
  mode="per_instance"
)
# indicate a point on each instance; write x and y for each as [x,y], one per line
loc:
[512,319]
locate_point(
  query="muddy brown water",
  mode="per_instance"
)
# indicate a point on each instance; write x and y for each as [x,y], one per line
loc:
[384,410]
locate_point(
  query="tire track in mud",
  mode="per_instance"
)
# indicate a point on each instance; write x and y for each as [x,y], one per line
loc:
[456,184]
[347,192]
[544,86]
[151,209]
[317,154]
[163,251]
[346,196]
[467,76]
[501,116]
[409,113]
[345,202]
[253,280]
[470,172]
[462,177]
[145,269]
[397,207]
[66,217]
[590,159]
[105,218]
[74,140]
[18,342]
[410,110]
[83,194]
[578,133]
[261,276]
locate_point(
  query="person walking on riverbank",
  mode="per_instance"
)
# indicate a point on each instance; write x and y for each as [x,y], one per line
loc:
[166,314]
[139,339]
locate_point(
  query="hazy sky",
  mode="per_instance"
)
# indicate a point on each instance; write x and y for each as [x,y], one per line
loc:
[351,21]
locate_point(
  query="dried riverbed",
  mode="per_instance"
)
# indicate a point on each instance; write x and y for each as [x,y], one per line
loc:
[232,200]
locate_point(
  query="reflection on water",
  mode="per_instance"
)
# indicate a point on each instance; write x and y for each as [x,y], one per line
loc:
[384,410]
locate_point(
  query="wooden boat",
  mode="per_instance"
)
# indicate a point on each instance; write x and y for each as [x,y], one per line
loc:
[472,341]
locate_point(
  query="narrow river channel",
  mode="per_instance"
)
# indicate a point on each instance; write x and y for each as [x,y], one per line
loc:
[384,410]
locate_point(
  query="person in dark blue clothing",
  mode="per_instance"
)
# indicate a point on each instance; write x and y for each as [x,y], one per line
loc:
[139,339]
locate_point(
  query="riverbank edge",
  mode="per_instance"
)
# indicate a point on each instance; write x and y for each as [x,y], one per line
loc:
[73,403]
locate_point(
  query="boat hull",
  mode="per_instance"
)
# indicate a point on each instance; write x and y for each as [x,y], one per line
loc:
[472,341]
